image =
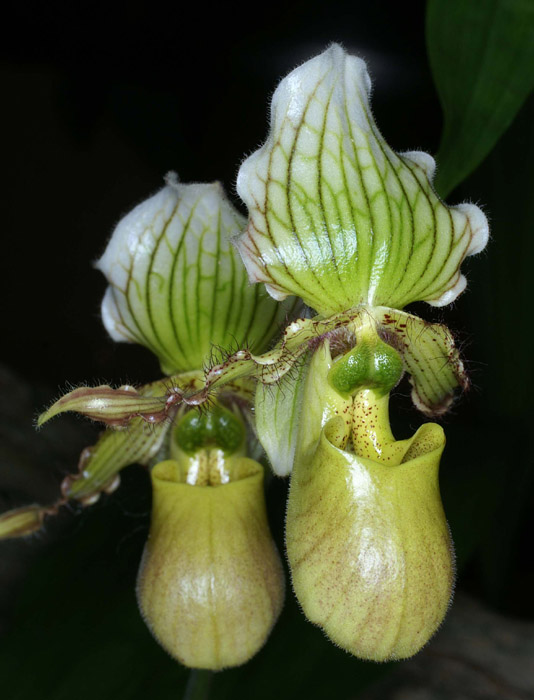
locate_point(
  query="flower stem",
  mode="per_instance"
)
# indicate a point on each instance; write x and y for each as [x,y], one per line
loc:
[198,685]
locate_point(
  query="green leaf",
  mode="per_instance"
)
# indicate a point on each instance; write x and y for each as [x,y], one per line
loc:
[481,54]
[336,216]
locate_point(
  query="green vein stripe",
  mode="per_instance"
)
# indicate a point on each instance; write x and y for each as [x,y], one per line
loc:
[153,314]
[113,452]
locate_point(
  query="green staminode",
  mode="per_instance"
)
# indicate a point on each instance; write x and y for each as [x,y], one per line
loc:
[216,426]
[372,363]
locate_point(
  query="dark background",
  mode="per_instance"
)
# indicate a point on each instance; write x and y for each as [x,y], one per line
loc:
[99,102]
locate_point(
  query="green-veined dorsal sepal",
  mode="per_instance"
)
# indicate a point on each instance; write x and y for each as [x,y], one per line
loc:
[336,216]
[176,284]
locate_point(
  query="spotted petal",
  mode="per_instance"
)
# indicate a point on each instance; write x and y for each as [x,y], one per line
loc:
[177,285]
[431,359]
[336,216]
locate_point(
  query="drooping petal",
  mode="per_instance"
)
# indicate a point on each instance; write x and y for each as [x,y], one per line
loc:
[177,285]
[431,358]
[336,216]
[137,443]
[428,350]
[272,366]
[211,583]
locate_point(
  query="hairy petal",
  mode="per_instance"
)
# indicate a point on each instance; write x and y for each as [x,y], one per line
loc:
[114,407]
[431,359]
[272,366]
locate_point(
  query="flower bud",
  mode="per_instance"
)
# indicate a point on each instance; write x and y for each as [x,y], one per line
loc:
[211,584]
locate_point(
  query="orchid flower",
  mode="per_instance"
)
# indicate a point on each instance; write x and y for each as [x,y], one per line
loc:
[210,584]
[356,231]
